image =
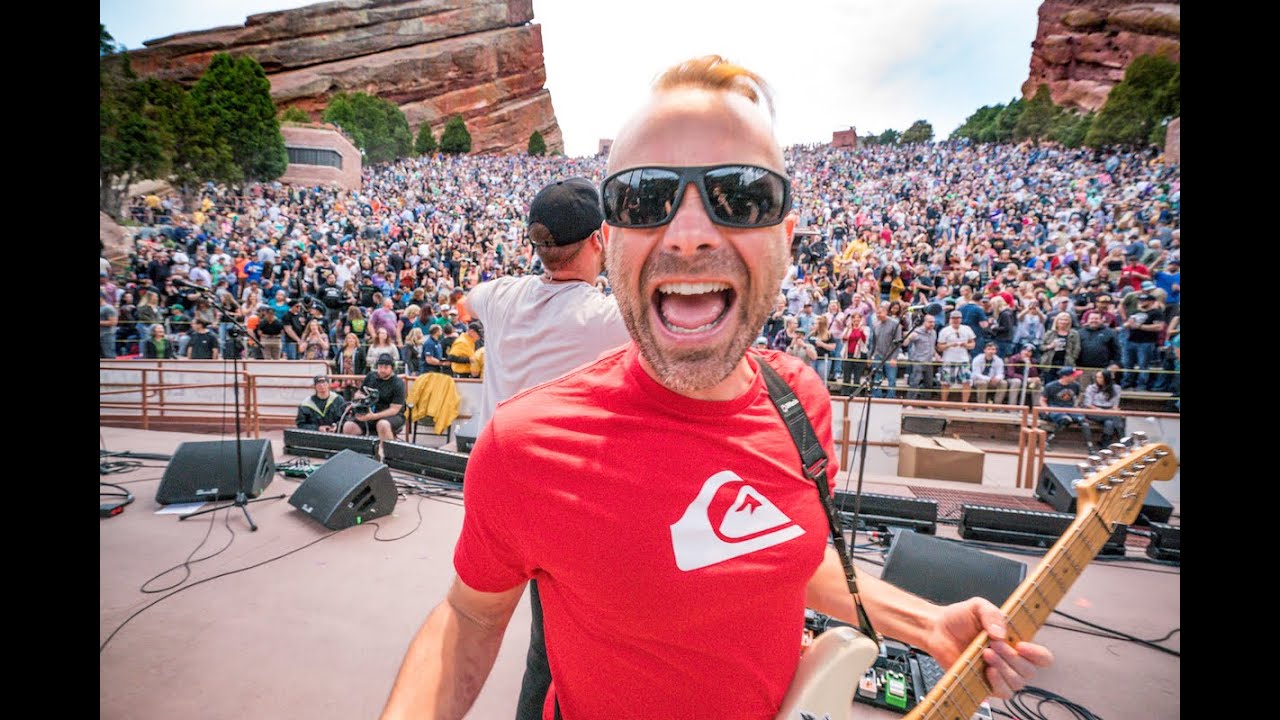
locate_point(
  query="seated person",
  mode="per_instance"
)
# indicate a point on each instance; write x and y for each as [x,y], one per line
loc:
[322,410]
[462,352]
[387,416]
[1063,394]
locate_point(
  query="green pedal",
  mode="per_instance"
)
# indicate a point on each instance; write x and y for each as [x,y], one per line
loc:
[895,690]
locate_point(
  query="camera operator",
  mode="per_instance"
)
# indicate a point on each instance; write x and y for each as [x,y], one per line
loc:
[382,409]
[322,410]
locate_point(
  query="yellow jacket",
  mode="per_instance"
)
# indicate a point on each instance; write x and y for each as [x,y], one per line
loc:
[464,347]
[434,395]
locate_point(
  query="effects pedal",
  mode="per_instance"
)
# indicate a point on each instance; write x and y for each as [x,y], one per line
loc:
[895,689]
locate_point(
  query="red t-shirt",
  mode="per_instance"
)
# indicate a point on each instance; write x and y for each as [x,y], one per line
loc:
[672,539]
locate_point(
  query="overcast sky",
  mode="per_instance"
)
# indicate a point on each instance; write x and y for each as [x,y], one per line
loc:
[872,64]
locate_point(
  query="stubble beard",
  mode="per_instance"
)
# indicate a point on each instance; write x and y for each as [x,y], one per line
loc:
[696,369]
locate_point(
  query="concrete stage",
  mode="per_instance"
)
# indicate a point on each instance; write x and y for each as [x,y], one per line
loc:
[318,628]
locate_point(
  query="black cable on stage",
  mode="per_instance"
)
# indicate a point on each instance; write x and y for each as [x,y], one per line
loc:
[1118,635]
[414,530]
[162,598]
[186,564]
[1019,705]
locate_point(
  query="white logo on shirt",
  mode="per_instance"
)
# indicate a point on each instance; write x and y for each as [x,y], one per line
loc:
[751,523]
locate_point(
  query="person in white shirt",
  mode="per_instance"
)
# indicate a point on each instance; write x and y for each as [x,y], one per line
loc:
[539,327]
[954,343]
[987,373]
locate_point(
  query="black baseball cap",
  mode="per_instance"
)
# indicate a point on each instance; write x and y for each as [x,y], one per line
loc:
[568,209]
[385,359]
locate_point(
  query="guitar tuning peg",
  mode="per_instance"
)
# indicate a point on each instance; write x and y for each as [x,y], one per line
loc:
[1095,461]
[1127,441]
[1139,467]
[1118,448]
[1150,459]
[1085,469]
[1106,455]
[1139,437]
[1102,487]
[1160,454]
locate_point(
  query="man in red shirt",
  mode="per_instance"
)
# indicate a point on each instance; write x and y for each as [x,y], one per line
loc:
[1134,273]
[656,494]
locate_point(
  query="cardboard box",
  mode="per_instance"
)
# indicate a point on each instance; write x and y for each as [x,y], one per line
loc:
[939,458]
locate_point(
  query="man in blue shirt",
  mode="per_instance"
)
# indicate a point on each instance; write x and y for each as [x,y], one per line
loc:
[1170,281]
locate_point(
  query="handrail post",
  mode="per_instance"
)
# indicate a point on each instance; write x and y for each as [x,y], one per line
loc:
[146,422]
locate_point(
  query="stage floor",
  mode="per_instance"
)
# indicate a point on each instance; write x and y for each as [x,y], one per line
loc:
[297,621]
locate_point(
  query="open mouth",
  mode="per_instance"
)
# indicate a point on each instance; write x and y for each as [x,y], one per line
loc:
[689,308]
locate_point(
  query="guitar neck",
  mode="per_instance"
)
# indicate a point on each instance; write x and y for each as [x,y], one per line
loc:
[964,687]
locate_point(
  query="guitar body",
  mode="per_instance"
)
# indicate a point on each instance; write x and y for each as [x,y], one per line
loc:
[828,675]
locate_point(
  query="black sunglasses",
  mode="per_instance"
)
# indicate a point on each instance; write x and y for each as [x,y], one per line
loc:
[740,196]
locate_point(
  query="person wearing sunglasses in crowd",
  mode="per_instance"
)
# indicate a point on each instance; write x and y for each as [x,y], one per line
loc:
[627,487]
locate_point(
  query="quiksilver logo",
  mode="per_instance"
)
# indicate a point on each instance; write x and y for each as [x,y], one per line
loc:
[751,523]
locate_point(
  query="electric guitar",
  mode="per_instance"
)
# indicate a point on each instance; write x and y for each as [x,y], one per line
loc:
[1113,489]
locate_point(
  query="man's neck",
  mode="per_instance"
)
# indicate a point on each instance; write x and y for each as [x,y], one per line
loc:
[733,386]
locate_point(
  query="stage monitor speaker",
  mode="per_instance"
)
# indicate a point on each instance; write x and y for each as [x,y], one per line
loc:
[947,572]
[923,425]
[466,433]
[313,443]
[1166,542]
[347,490]
[1026,527]
[1057,488]
[424,461]
[883,511]
[201,471]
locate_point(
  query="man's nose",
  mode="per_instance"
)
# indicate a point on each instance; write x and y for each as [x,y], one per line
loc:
[691,230]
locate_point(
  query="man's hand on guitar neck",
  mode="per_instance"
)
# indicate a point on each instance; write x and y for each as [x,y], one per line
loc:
[1009,667]
[943,631]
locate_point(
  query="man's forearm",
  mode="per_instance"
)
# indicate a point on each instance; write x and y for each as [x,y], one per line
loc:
[894,612]
[446,665]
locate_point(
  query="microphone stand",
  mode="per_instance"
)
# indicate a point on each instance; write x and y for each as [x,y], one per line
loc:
[864,390]
[242,499]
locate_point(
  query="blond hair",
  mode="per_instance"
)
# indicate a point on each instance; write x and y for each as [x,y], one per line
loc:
[713,72]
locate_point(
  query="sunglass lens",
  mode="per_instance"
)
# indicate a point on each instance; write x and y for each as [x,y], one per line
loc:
[746,196]
[640,197]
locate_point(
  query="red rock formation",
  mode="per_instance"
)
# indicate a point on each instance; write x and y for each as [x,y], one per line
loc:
[434,58]
[1083,46]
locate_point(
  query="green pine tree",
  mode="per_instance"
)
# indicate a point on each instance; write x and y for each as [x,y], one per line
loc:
[537,146]
[377,126]
[919,132]
[294,113]
[888,137]
[236,96]
[1146,97]
[1038,117]
[425,144]
[455,139]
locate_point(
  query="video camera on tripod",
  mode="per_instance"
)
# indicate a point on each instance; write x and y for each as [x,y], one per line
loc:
[366,404]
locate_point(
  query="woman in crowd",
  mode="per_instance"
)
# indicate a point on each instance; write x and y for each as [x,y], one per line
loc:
[824,344]
[1104,394]
[158,346]
[412,352]
[382,344]
[1061,346]
[855,350]
[1003,328]
[314,343]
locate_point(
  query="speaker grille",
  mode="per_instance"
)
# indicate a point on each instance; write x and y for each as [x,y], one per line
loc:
[202,471]
[347,490]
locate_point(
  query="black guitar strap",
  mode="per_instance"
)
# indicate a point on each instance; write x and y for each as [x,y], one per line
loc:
[813,462]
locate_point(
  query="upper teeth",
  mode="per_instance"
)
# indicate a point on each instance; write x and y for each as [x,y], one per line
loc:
[693,288]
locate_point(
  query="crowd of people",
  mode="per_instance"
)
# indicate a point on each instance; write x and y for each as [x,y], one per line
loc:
[1055,258]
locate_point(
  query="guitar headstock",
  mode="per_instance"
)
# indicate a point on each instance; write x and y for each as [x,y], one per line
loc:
[1115,481]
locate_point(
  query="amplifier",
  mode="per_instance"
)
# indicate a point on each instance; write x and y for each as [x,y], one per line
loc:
[424,461]
[881,511]
[1026,527]
[1166,542]
[313,443]
[1057,488]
